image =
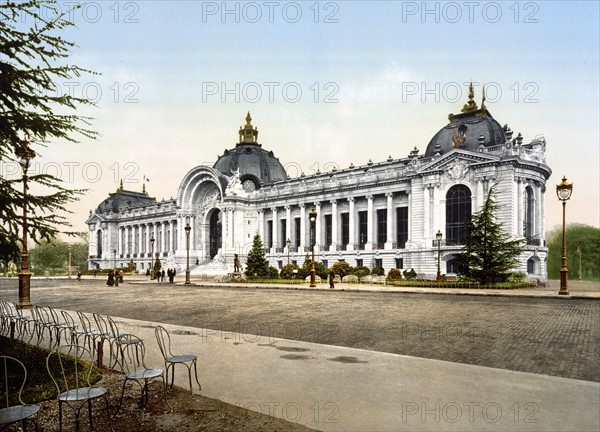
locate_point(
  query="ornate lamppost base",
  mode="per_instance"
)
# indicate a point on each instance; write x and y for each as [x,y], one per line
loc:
[24,291]
[187,277]
[564,290]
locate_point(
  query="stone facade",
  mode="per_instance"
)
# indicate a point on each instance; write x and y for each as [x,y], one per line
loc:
[380,214]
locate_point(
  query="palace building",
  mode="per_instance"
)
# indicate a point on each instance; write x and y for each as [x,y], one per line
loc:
[380,214]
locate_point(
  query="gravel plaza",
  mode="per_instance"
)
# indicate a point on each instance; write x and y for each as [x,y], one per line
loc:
[363,359]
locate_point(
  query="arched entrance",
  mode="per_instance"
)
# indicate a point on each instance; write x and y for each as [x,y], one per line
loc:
[215,233]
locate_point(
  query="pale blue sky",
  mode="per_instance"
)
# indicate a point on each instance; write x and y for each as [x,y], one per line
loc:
[547,73]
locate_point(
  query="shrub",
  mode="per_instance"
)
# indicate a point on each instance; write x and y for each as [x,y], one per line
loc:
[272,273]
[378,271]
[361,271]
[287,272]
[410,274]
[394,275]
[341,268]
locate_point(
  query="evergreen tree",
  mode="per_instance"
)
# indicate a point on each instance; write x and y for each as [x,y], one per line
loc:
[489,254]
[256,262]
[32,114]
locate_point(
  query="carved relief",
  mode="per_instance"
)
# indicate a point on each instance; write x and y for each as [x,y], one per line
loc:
[458,170]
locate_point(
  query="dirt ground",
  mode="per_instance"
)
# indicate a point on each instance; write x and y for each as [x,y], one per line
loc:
[189,413]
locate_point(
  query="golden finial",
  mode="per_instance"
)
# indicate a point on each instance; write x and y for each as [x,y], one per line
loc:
[471,105]
[248,134]
[483,107]
[120,188]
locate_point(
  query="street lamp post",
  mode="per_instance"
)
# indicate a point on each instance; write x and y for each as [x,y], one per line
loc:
[69,269]
[438,238]
[288,242]
[313,219]
[188,228]
[25,154]
[151,258]
[563,191]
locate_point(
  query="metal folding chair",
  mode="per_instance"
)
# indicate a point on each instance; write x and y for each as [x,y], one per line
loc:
[13,409]
[189,360]
[70,367]
[133,366]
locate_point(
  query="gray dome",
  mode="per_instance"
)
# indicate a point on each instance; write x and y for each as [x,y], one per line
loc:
[122,200]
[254,162]
[468,130]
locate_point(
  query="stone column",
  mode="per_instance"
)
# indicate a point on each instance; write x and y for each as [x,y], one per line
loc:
[390,221]
[302,228]
[409,237]
[426,215]
[171,237]
[370,223]
[318,233]
[261,224]
[518,203]
[275,226]
[334,226]
[288,224]
[436,210]
[230,229]
[351,227]
[542,228]
[120,244]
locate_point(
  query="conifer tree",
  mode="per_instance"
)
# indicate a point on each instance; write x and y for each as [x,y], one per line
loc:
[489,254]
[33,113]
[256,261]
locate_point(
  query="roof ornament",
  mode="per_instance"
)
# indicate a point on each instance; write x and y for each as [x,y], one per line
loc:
[248,134]
[471,105]
[120,188]
[483,107]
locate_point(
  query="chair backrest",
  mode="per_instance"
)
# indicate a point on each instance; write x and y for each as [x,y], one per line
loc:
[132,353]
[14,375]
[85,321]
[68,319]
[70,367]
[164,341]
[102,325]
[53,315]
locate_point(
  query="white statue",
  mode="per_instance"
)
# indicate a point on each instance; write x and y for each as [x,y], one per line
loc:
[234,184]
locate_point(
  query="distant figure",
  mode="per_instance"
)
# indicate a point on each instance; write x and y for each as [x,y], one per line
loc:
[173,273]
[162,275]
[331,278]
[236,263]
[79,275]
[111,278]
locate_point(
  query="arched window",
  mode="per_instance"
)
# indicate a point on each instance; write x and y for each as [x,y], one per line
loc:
[533,265]
[528,205]
[458,214]
[99,243]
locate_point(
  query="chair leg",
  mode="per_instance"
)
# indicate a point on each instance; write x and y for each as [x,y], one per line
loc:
[108,414]
[89,404]
[172,374]
[196,373]
[60,416]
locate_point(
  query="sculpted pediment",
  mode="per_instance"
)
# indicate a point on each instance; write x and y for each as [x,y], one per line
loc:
[456,161]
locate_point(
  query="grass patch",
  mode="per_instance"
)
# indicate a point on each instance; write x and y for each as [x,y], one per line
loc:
[39,386]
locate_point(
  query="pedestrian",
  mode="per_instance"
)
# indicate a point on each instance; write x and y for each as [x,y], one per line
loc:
[173,275]
[111,278]
[331,279]
[162,275]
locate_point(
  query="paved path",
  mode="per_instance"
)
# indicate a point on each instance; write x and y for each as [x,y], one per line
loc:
[336,388]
